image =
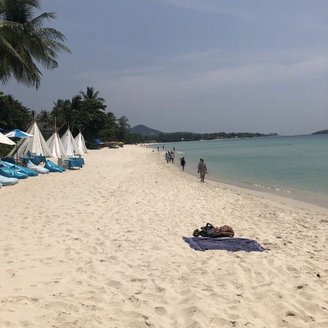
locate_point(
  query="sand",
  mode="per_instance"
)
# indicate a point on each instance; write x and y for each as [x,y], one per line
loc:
[102,247]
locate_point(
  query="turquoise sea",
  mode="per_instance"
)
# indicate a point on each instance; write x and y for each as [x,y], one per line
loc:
[295,166]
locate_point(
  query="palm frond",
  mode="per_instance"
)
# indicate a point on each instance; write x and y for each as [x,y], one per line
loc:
[38,21]
[24,42]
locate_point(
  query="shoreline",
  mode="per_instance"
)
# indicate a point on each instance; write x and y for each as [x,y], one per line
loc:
[295,198]
[102,247]
[287,200]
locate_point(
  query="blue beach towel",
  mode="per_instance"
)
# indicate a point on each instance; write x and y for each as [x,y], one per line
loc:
[227,244]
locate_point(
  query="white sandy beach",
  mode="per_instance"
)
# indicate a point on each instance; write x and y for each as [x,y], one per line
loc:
[102,247]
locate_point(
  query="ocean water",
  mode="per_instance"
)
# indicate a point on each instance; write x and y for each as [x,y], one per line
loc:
[295,166]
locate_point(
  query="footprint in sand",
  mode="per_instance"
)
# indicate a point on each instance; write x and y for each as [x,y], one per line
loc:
[160,310]
[114,283]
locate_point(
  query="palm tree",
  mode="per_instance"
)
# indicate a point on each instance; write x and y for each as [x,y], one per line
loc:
[123,128]
[24,42]
[91,100]
[63,113]
[8,55]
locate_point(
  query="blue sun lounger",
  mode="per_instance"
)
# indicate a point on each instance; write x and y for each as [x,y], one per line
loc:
[11,172]
[19,168]
[52,167]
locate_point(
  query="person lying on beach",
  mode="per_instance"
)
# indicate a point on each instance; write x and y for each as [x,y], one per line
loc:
[214,232]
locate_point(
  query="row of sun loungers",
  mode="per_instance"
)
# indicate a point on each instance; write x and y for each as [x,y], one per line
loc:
[10,173]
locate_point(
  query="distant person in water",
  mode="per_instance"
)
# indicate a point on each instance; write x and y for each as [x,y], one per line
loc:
[202,169]
[182,163]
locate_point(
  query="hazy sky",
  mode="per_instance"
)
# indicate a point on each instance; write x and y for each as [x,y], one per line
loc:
[194,65]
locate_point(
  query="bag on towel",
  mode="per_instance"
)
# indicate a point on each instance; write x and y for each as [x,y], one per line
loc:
[214,232]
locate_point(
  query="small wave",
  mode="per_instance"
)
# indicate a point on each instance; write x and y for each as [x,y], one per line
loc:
[276,189]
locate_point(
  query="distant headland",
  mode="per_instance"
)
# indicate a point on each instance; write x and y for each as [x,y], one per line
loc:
[152,135]
[321,132]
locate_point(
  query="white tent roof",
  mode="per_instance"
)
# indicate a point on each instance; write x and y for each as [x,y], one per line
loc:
[70,146]
[80,142]
[56,146]
[34,145]
[5,140]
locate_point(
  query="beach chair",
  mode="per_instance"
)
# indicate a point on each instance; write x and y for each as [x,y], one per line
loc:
[9,160]
[52,167]
[4,181]
[11,172]
[19,168]
[34,158]
[37,168]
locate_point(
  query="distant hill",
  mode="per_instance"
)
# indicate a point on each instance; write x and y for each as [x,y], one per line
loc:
[142,133]
[145,131]
[321,132]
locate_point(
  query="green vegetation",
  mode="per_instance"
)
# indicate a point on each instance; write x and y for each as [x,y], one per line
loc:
[13,114]
[4,150]
[150,135]
[24,42]
[190,136]
[84,112]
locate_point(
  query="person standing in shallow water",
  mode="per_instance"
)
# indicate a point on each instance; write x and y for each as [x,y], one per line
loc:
[182,163]
[202,169]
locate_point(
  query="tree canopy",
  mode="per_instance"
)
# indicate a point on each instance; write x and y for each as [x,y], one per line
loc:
[24,42]
[13,114]
[84,112]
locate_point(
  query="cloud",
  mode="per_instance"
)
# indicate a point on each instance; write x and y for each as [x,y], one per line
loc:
[259,73]
[211,6]
[258,94]
[197,56]
[209,75]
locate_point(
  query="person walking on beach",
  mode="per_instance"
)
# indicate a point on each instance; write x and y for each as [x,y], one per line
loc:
[172,156]
[167,157]
[182,163]
[202,169]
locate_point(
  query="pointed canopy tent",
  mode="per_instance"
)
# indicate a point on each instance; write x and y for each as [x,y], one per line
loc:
[70,146]
[80,142]
[34,145]
[56,146]
[5,140]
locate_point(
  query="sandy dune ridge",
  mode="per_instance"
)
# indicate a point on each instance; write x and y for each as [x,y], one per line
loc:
[102,247]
